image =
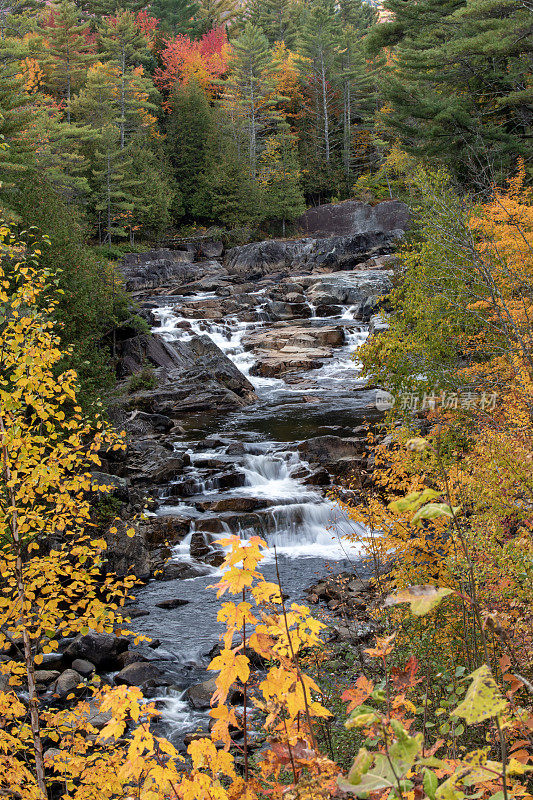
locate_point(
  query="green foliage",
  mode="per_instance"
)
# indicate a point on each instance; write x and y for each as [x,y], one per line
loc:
[190,131]
[177,16]
[145,379]
[458,87]
[92,301]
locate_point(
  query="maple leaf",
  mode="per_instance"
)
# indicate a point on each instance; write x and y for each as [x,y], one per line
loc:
[357,695]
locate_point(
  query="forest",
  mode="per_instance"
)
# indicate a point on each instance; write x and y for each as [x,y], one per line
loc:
[266,399]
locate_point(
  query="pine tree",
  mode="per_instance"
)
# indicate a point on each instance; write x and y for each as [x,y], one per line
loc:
[459,90]
[356,77]
[124,44]
[279,176]
[319,46]
[176,16]
[70,51]
[249,89]
[188,139]
[217,13]
[278,19]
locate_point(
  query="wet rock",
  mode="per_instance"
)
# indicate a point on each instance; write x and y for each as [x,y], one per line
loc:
[230,480]
[193,736]
[176,570]
[165,529]
[174,602]
[239,504]
[319,477]
[278,309]
[51,660]
[330,449]
[68,682]
[94,716]
[157,267]
[378,324]
[203,549]
[199,695]
[46,676]
[309,254]
[85,668]
[328,310]
[136,613]
[211,249]
[101,649]
[301,335]
[137,674]
[127,555]
[360,289]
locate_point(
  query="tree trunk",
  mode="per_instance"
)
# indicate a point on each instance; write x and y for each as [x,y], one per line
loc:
[28,655]
[347,129]
[123,101]
[325,105]
[108,188]
[253,142]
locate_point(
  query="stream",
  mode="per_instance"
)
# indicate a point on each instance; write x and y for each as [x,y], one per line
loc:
[259,442]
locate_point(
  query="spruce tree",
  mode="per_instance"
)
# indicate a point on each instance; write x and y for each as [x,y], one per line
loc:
[188,140]
[250,89]
[70,51]
[459,90]
[279,177]
[177,16]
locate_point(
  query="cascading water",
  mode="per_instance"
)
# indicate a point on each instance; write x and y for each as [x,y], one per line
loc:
[255,449]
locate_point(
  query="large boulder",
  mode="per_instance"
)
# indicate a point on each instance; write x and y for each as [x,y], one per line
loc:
[189,377]
[329,450]
[68,682]
[156,268]
[255,260]
[127,555]
[361,289]
[352,217]
[101,649]
[138,673]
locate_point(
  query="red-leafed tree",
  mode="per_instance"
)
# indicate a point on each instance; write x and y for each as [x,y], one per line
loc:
[205,61]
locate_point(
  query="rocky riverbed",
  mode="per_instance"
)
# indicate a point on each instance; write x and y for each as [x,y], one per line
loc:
[243,408]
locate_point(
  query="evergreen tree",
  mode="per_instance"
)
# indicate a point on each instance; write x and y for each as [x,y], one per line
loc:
[155,194]
[70,51]
[318,44]
[15,151]
[124,44]
[278,19]
[115,186]
[249,89]
[188,139]
[356,78]
[459,89]
[91,302]
[176,16]
[235,198]
[217,13]
[279,176]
